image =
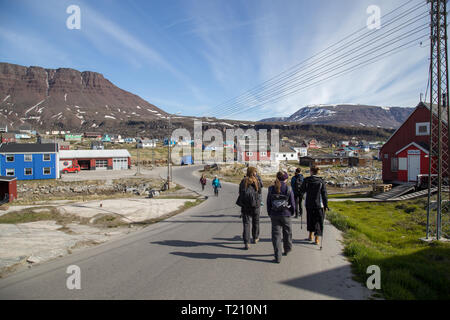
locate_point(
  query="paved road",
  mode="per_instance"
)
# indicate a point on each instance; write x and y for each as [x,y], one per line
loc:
[195,255]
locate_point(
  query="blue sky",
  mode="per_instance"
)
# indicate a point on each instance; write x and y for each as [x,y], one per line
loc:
[189,56]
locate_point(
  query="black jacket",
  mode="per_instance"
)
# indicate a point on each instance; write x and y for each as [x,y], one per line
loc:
[288,212]
[316,192]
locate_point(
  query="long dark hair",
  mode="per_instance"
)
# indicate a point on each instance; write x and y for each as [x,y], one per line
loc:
[277,184]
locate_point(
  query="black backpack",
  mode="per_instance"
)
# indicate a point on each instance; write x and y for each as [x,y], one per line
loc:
[280,202]
[249,197]
[298,184]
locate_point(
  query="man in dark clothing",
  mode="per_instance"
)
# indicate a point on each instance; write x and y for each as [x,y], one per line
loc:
[316,203]
[296,183]
[280,207]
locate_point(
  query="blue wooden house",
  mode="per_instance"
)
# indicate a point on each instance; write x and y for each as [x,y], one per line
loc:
[29,161]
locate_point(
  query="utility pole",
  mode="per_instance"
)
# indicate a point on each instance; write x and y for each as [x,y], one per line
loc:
[168,154]
[438,171]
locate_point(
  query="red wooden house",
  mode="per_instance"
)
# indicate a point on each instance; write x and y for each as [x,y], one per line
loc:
[405,155]
[313,144]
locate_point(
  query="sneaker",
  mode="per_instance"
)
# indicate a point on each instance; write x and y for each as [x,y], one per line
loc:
[276,261]
[285,253]
[246,247]
[256,240]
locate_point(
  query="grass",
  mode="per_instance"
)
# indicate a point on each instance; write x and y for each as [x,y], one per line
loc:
[40,214]
[387,235]
[349,195]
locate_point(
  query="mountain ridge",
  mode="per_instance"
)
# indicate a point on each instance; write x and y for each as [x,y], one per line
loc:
[349,115]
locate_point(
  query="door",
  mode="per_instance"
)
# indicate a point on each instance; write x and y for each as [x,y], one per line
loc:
[413,167]
[120,164]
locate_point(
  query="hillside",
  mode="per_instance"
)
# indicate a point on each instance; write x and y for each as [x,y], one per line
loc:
[353,115]
[66,99]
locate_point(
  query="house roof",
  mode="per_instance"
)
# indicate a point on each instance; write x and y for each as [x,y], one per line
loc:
[28,147]
[72,154]
[3,178]
[426,105]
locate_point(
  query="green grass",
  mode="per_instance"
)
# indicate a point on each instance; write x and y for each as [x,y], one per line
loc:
[349,195]
[387,235]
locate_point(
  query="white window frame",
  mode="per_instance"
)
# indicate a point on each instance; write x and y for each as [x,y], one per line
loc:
[49,156]
[27,155]
[422,124]
[10,155]
[25,171]
[13,172]
[47,174]
[263,154]
[249,154]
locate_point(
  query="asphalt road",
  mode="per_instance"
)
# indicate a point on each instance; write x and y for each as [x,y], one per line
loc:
[195,255]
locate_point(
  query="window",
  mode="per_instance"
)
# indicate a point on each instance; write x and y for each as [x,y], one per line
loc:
[10,172]
[9,158]
[386,156]
[402,163]
[46,156]
[394,164]
[28,171]
[249,154]
[28,157]
[422,129]
[263,154]
[101,163]
[47,171]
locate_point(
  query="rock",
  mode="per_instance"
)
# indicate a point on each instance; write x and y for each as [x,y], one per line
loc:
[33,259]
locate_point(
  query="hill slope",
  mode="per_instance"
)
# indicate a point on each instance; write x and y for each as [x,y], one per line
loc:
[66,98]
[350,115]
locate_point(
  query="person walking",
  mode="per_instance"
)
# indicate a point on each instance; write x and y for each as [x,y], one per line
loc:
[203,182]
[296,183]
[316,203]
[280,207]
[216,185]
[250,202]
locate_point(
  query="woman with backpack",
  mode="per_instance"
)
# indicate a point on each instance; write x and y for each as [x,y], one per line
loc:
[280,207]
[250,202]
[203,182]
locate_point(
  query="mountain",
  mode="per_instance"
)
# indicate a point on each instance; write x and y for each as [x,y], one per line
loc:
[66,99]
[276,119]
[353,115]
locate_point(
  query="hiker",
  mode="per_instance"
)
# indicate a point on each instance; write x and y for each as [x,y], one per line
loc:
[296,183]
[250,202]
[216,185]
[280,207]
[203,181]
[316,204]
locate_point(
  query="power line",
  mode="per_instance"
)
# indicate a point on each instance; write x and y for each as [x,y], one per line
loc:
[365,63]
[293,69]
[367,44]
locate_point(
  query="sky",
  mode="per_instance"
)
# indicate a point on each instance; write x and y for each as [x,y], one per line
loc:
[191,56]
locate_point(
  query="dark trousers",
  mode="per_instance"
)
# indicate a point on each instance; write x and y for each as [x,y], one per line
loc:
[250,216]
[281,226]
[298,204]
[314,220]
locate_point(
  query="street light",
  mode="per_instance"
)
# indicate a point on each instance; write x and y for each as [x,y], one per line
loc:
[169,150]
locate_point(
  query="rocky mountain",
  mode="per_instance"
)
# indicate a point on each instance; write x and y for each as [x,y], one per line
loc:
[353,115]
[275,119]
[66,99]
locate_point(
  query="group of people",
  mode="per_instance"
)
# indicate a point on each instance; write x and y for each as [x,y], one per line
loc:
[215,183]
[283,202]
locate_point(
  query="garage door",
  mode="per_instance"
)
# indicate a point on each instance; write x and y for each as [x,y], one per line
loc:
[120,164]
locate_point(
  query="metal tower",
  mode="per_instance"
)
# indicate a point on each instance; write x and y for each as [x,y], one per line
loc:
[438,175]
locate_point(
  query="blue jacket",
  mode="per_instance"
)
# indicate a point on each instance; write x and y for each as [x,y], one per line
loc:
[286,213]
[216,183]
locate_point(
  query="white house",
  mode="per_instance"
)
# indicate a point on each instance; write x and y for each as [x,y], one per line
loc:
[146,144]
[286,154]
[302,151]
